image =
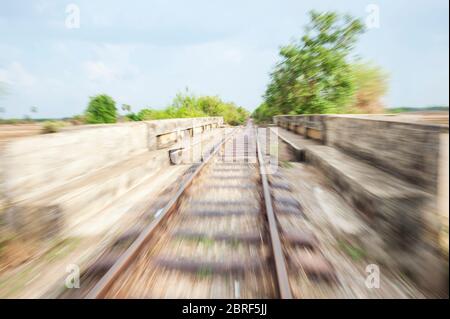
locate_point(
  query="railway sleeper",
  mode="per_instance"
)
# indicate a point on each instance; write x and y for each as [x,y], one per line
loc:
[240,203]
[313,263]
[289,210]
[240,165]
[280,185]
[301,238]
[222,212]
[102,265]
[238,267]
[229,238]
[236,187]
[229,169]
[231,177]
[286,201]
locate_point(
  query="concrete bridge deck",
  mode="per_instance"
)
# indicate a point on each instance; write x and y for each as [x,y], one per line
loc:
[373,190]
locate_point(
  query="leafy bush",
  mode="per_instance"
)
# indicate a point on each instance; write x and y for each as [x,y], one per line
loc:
[78,120]
[101,109]
[150,114]
[132,117]
[370,86]
[264,113]
[10,121]
[186,105]
[52,127]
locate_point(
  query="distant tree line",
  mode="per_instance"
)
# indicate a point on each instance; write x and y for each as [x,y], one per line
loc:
[316,75]
[102,109]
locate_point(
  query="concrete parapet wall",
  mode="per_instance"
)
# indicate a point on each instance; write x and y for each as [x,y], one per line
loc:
[409,151]
[396,176]
[64,178]
[39,163]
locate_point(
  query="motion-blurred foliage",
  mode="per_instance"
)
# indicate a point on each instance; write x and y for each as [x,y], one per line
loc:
[314,75]
[101,109]
[188,105]
[371,85]
[52,126]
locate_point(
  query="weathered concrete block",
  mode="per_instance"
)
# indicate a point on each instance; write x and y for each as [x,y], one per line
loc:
[81,171]
[407,150]
[393,208]
[313,133]
[166,140]
[300,130]
[394,173]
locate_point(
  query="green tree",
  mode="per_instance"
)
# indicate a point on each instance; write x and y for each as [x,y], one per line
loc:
[264,113]
[188,105]
[370,86]
[101,109]
[211,105]
[314,75]
[150,114]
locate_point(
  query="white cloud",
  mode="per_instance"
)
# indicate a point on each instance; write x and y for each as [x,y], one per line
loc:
[112,62]
[233,55]
[16,74]
[97,70]
[41,6]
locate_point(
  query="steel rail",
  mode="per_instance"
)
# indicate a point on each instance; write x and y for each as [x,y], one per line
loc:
[280,263]
[100,290]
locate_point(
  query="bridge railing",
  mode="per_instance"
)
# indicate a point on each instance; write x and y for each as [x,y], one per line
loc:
[409,150]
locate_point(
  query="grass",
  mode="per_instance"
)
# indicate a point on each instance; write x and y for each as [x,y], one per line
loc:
[286,164]
[354,252]
[417,109]
[52,127]
[204,272]
[235,243]
[12,284]
[208,242]
[62,249]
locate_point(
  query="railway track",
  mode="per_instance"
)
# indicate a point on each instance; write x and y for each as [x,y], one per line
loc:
[231,231]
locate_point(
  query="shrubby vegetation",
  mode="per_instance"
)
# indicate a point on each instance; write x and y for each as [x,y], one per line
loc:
[315,74]
[370,86]
[52,126]
[403,109]
[188,105]
[101,109]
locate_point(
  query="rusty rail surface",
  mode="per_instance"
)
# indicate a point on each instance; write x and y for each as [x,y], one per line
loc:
[102,286]
[101,289]
[280,264]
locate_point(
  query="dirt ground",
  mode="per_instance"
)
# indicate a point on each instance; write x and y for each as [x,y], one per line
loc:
[9,132]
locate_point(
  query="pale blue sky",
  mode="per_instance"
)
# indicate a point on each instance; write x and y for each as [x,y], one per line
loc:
[143,52]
